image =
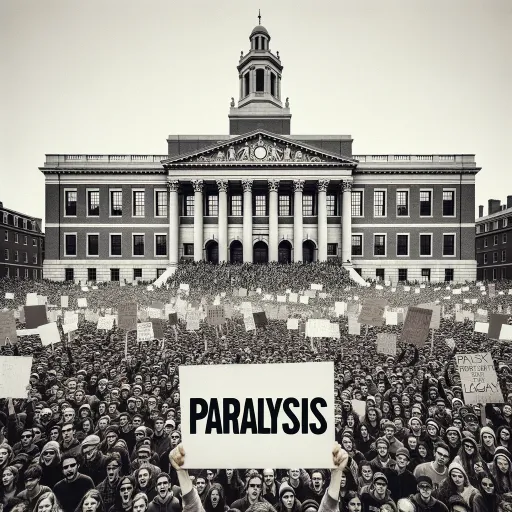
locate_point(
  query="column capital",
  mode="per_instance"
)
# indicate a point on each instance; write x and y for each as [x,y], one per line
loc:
[298,185]
[198,185]
[273,185]
[223,185]
[247,185]
[173,185]
[322,185]
[346,186]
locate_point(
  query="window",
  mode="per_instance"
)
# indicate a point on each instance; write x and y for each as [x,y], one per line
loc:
[138,245]
[91,274]
[494,274]
[16,238]
[486,227]
[16,221]
[505,222]
[379,245]
[34,242]
[159,272]
[5,217]
[70,197]
[114,274]
[236,205]
[495,257]
[138,203]
[402,245]
[503,256]
[357,203]
[189,206]
[116,203]
[485,259]
[402,203]
[448,203]
[188,249]
[485,242]
[137,273]
[25,257]
[93,243]
[495,224]
[379,274]
[332,249]
[425,203]
[284,206]
[448,245]
[93,203]
[307,205]
[25,240]
[212,209]
[70,244]
[357,245]
[504,238]
[34,259]
[160,245]
[425,274]
[115,245]
[161,203]
[261,206]
[448,275]
[331,204]
[6,254]
[16,256]
[379,203]
[478,229]
[495,240]
[26,273]
[402,274]
[17,272]
[69,274]
[6,235]
[34,274]
[24,223]
[425,245]
[6,272]
[260,80]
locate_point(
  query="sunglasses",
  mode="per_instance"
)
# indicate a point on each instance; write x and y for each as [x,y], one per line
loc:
[49,452]
[69,466]
[26,436]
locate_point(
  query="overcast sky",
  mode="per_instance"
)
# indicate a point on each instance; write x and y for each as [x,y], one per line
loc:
[108,76]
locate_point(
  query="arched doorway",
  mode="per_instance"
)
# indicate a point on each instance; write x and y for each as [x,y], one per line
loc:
[212,251]
[308,251]
[260,253]
[236,252]
[285,252]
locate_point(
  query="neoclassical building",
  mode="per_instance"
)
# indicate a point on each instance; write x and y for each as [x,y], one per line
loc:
[260,194]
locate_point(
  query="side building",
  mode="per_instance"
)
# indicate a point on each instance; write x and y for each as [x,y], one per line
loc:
[21,245]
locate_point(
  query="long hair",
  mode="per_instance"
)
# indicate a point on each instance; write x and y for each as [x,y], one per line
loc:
[53,500]
[95,495]
[208,502]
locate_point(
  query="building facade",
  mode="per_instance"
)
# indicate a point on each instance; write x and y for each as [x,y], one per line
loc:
[493,242]
[260,194]
[21,245]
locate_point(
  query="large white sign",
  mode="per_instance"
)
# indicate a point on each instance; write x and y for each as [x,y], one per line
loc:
[268,425]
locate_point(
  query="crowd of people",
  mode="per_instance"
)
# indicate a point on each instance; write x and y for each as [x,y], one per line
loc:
[101,432]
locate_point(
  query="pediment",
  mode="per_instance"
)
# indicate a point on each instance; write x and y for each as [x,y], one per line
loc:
[262,148]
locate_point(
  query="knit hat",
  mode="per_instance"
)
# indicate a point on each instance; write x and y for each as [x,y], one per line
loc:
[487,430]
[457,499]
[388,424]
[51,445]
[144,448]
[434,423]
[382,440]
[378,476]
[501,450]
[403,451]
[111,428]
[309,504]
[285,488]
[425,480]
[91,440]
[454,429]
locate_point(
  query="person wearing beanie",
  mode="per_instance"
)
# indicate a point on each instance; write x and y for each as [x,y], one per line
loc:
[453,438]
[423,499]
[487,444]
[383,461]
[435,470]
[287,500]
[470,459]
[432,429]
[49,460]
[374,496]
[501,470]
[310,506]
[403,482]
[94,462]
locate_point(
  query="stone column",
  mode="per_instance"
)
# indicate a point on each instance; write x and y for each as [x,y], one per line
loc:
[267,79]
[241,80]
[346,221]
[174,223]
[273,222]
[198,219]
[298,187]
[322,219]
[223,220]
[247,225]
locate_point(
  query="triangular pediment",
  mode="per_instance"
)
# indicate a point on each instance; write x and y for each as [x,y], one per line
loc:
[259,147]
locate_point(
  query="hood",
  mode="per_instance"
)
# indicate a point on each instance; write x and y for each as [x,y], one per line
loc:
[456,465]
[487,430]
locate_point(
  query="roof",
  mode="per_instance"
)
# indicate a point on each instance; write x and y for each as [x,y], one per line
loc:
[259,29]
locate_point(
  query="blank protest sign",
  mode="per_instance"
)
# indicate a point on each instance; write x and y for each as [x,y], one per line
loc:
[14,376]
[249,450]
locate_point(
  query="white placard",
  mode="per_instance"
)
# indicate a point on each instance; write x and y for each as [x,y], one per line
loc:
[106,323]
[32,300]
[204,426]
[69,328]
[340,308]
[482,327]
[9,296]
[386,344]
[391,318]
[407,288]
[249,322]
[292,324]
[184,286]
[506,332]
[318,287]
[27,332]
[145,331]
[14,376]
[354,327]
[304,299]
[293,297]
[85,288]
[64,299]
[82,303]
[70,317]
[49,333]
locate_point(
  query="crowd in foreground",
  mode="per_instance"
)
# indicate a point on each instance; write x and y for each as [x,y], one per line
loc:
[100,432]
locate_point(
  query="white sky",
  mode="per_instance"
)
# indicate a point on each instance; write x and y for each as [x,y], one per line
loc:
[109,76]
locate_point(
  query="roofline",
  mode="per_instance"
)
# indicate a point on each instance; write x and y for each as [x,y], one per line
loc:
[20,214]
[494,215]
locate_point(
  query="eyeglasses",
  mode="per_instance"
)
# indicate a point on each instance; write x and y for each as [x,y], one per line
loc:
[69,466]
[487,485]
[381,484]
[49,452]
[424,487]
[127,488]
[26,436]
[255,486]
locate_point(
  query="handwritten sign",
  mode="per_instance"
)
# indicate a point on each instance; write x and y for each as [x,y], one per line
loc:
[215,315]
[145,331]
[7,328]
[372,312]
[386,344]
[127,316]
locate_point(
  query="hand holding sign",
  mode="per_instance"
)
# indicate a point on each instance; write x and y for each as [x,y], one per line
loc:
[177,457]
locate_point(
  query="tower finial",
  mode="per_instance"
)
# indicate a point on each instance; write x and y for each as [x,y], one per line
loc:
[259,17]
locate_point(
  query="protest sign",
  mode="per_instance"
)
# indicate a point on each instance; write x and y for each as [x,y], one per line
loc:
[372,312]
[354,327]
[64,300]
[391,318]
[435,321]
[105,323]
[506,332]
[292,324]
[49,334]
[145,331]
[268,425]
[69,328]
[14,376]
[495,323]
[193,320]
[173,318]
[315,286]
[35,316]
[386,344]
[32,300]
[416,326]
[215,315]
[127,316]
[478,378]
[9,296]
[7,328]
[304,299]
[82,303]
[158,330]
[492,290]
[482,327]
[249,323]
[260,319]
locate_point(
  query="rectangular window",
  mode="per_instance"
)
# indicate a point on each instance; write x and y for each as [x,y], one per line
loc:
[307,205]
[402,245]
[161,203]
[503,273]
[478,229]
[17,272]
[425,274]
[284,206]
[402,274]
[495,240]
[93,203]
[357,203]
[34,259]
[425,203]
[448,245]
[16,238]
[34,274]
[138,203]
[402,203]
[332,249]
[91,274]
[503,256]
[425,245]
[26,273]
[69,274]
[486,259]
[260,203]
[188,249]
[93,243]
[379,203]
[486,227]
[6,235]
[6,271]
[116,203]
[159,272]
[189,206]
[34,242]
[505,222]
[494,274]
[138,245]
[115,245]
[485,242]
[160,245]
[495,257]
[331,204]
[25,240]
[137,273]
[379,274]
[25,257]
[70,203]
[236,205]
[70,244]
[5,218]
[495,224]
[16,256]
[24,223]
[114,274]
[379,245]
[212,206]
[357,245]
[6,254]
[448,203]
[504,239]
